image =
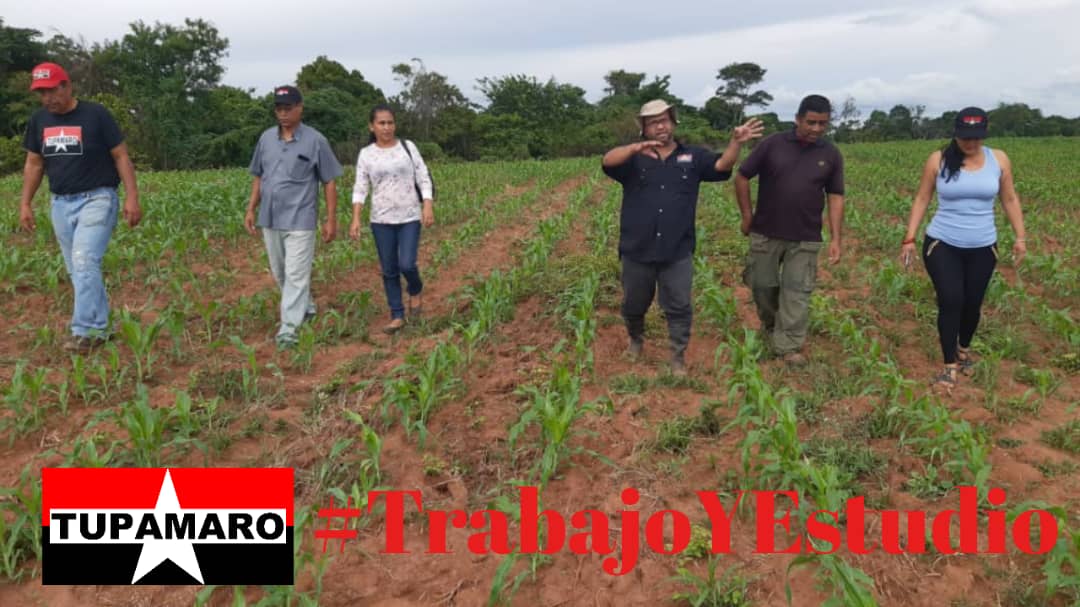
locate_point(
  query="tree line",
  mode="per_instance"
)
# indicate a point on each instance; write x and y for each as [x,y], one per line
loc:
[163,84]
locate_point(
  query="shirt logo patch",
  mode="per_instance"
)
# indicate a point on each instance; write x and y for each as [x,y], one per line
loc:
[684,158]
[62,141]
[821,163]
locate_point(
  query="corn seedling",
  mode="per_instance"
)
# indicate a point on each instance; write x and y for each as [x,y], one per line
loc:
[140,340]
[714,589]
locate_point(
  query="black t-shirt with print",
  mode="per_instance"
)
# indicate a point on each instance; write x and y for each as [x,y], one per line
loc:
[76,147]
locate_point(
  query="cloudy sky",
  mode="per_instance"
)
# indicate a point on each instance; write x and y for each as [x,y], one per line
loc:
[941,55]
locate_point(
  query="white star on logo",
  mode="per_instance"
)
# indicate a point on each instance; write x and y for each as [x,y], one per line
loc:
[180,552]
[60,145]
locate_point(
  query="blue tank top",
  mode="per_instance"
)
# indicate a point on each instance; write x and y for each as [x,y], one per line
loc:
[965,212]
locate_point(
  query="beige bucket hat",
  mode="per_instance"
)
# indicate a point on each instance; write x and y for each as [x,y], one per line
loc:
[655,108]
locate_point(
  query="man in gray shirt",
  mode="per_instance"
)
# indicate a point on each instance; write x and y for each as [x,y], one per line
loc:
[289,162]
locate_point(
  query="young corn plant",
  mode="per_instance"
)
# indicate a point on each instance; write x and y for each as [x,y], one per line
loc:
[23,397]
[578,311]
[207,311]
[503,587]
[715,589]
[554,408]
[155,432]
[421,384]
[368,472]
[20,526]
[492,301]
[304,352]
[145,426]
[140,340]
[1062,567]
[717,304]
[955,446]
[848,586]
[84,453]
[249,372]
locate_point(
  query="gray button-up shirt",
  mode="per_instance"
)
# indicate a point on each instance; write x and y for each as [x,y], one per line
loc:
[291,172]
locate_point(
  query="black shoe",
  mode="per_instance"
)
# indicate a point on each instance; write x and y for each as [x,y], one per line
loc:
[635,348]
[678,365]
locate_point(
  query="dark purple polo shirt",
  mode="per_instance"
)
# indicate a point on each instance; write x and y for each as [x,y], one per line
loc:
[794,179]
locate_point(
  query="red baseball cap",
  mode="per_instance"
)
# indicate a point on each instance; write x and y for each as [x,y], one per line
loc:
[47,75]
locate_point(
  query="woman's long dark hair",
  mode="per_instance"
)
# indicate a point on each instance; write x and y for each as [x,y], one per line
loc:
[382,107]
[952,158]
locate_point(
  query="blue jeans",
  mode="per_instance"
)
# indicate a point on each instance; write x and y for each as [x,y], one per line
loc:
[83,224]
[397,245]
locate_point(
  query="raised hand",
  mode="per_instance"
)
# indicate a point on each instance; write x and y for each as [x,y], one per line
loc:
[750,129]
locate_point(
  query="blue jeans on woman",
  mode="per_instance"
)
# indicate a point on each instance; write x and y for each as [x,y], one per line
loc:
[397,245]
[83,224]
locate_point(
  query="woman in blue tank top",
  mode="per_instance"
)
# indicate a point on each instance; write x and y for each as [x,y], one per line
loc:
[960,247]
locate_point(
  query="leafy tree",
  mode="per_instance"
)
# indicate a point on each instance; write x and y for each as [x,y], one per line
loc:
[87,64]
[738,79]
[166,73]
[659,88]
[20,50]
[1015,120]
[720,114]
[847,121]
[552,112]
[232,122]
[456,131]
[621,83]
[338,102]
[338,116]
[425,96]
[876,127]
[327,73]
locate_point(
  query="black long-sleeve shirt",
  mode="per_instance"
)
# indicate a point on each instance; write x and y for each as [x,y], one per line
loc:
[660,202]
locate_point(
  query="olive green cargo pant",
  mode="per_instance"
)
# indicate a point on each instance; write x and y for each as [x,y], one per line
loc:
[781,275]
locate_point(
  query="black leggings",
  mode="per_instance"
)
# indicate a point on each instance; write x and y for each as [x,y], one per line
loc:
[960,277]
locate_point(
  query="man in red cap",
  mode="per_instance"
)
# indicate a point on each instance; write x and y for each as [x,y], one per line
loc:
[79,145]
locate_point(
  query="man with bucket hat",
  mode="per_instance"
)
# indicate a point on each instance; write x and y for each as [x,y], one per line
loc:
[80,147]
[660,178]
[289,163]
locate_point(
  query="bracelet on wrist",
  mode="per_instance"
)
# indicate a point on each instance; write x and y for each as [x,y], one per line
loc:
[907,241]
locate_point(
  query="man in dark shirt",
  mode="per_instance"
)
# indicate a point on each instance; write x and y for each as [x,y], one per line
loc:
[79,145]
[799,170]
[660,179]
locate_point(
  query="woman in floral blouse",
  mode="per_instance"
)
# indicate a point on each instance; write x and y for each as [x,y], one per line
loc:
[401,201]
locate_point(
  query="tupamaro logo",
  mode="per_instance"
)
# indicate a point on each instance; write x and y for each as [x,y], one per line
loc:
[216,526]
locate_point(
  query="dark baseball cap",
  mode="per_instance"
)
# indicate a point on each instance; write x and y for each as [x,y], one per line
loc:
[971,123]
[287,94]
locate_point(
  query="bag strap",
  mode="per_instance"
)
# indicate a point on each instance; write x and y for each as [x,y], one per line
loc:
[405,144]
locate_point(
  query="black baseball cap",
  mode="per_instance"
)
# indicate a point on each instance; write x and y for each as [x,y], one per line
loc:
[971,123]
[287,94]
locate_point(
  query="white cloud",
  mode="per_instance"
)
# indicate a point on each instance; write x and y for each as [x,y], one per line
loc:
[914,51]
